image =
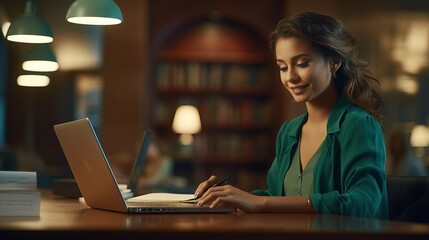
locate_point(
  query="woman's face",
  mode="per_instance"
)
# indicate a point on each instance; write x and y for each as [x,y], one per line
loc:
[304,71]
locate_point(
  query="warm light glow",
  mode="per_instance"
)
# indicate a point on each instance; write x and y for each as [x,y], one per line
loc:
[40,66]
[94,20]
[411,45]
[5,27]
[407,85]
[417,36]
[33,80]
[420,136]
[30,38]
[81,49]
[187,120]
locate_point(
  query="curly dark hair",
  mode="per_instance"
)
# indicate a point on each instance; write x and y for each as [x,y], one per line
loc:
[327,34]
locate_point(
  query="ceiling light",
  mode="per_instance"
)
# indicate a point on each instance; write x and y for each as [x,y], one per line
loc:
[29,79]
[40,59]
[94,12]
[29,28]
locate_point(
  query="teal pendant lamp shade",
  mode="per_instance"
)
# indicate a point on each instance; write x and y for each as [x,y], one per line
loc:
[29,28]
[40,59]
[94,12]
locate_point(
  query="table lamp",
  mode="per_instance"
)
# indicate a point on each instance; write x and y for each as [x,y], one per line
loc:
[186,122]
[420,136]
[420,139]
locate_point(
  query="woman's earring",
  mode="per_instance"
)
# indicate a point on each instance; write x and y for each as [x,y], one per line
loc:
[333,74]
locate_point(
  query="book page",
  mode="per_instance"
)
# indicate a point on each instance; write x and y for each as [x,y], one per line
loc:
[18,180]
[163,197]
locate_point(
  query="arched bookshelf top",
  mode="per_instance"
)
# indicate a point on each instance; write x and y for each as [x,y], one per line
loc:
[215,41]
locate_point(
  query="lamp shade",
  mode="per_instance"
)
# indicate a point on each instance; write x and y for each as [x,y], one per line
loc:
[32,79]
[186,120]
[40,59]
[29,28]
[94,12]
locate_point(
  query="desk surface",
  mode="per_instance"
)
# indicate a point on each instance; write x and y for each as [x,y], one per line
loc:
[62,218]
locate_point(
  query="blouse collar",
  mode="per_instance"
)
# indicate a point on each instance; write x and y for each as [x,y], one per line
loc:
[334,120]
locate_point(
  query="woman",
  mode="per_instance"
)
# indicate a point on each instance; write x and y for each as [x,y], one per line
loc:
[332,158]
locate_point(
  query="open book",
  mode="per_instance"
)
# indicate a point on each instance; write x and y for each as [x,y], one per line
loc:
[19,195]
[164,198]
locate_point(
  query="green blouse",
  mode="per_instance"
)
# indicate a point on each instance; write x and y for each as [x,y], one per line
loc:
[299,182]
[349,177]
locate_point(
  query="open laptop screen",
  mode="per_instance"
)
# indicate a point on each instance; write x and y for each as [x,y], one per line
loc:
[139,162]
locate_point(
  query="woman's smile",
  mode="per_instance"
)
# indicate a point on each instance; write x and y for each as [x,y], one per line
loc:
[298,89]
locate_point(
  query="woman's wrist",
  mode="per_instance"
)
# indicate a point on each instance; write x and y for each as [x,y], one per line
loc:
[308,204]
[310,207]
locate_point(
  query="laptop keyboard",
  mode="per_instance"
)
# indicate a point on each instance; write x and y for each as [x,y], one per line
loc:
[160,204]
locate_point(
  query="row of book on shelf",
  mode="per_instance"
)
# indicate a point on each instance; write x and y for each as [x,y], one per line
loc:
[198,75]
[19,195]
[221,111]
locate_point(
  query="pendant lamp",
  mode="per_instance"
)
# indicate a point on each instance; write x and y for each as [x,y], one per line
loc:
[29,28]
[94,12]
[33,79]
[40,59]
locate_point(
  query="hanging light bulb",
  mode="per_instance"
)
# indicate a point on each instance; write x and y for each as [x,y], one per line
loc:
[40,59]
[94,12]
[29,28]
[33,79]
[4,21]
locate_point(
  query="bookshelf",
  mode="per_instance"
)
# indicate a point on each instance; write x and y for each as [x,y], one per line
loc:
[230,82]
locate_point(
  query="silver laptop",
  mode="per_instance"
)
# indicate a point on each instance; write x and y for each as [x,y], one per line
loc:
[95,177]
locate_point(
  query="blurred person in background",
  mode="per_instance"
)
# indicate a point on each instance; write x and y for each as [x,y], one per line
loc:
[402,160]
[158,171]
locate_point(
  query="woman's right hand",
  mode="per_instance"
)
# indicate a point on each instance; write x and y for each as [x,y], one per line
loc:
[204,186]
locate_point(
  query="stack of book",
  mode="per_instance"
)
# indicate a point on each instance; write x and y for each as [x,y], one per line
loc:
[19,195]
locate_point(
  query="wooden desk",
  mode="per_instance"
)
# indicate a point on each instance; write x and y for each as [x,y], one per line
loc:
[62,218]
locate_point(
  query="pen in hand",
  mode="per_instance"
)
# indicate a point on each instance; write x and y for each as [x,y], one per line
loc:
[215,185]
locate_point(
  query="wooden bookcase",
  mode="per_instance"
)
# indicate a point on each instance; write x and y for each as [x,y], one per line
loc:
[224,69]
